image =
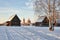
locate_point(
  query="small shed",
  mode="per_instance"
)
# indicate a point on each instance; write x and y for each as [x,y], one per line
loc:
[14,21]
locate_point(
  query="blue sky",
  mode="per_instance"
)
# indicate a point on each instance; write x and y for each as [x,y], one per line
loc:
[23,8]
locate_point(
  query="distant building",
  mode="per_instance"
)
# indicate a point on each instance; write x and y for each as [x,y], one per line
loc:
[42,21]
[45,21]
[14,21]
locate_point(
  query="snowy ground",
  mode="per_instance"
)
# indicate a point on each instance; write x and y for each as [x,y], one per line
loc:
[29,33]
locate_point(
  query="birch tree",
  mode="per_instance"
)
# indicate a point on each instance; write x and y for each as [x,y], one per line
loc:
[48,7]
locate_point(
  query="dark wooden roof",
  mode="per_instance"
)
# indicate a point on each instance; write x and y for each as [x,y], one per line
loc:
[13,16]
[46,20]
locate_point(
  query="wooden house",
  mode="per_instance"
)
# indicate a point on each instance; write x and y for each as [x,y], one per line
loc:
[45,22]
[42,21]
[14,21]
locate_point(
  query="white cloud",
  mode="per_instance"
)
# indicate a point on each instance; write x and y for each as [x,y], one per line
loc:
[29,4]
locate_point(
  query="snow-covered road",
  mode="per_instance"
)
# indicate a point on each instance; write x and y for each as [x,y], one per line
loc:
[29,33]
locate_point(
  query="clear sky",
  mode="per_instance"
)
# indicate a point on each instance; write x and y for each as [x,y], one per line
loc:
[23,8]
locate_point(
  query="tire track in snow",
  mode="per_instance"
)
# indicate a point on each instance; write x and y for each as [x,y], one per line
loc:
[21,32]
[39,38]
[3,35]
[10,37]
[43,35]
[54,34]
[18,34]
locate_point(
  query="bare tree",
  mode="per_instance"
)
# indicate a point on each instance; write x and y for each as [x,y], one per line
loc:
[49,7]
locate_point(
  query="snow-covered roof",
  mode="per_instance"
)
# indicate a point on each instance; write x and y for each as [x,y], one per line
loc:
[11,17]
[40,19]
